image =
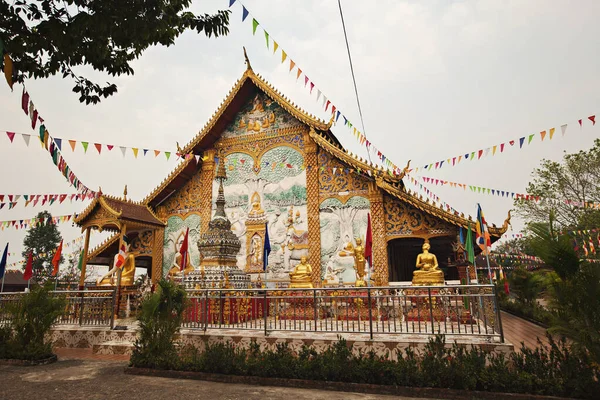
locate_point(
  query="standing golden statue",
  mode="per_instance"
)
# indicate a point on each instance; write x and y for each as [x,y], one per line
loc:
[427,272]
[359,263]
[300,277]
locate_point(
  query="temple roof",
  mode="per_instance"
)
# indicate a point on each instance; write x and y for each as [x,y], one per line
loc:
[319,131]
[118,209]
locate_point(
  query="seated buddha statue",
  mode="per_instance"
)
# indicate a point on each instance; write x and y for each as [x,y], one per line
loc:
[427,272]
[300,277]
[127,274]
[256,209]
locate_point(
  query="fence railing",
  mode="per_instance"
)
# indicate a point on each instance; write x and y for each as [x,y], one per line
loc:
[83,307]
[424,310]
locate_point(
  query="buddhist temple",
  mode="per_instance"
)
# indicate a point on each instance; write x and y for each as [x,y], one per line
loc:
[285,172]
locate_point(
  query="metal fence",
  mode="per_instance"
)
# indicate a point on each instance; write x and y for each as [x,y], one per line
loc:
[83,307]
[425,310]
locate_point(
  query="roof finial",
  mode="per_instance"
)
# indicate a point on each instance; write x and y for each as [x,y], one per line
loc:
[247,59]
[125,193]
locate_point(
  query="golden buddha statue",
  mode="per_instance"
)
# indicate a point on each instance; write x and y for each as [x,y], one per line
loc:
[427,272]
[257,209]
[127,274]
[300,277]
[359,263]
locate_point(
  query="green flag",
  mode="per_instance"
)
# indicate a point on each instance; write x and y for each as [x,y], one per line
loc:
[469,246]
[80,264]
[254,25]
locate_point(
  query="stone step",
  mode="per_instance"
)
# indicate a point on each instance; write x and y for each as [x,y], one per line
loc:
[113,347]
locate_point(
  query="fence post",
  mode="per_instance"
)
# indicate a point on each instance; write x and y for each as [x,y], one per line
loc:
[315,307]
[112,309]
[370,313]
[497,307]
[205,309]
[431,310]
[81,309]
[265,311]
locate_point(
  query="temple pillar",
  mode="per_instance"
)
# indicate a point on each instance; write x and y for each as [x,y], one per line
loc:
[312,208]
[86,246]
[380,255]
[207,175]
[157,254]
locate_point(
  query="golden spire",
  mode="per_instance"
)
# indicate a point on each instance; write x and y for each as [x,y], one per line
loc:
[221,174]
[125,193]
[247,59]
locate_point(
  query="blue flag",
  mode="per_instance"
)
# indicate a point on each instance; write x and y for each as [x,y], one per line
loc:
[3,261]
[267,248]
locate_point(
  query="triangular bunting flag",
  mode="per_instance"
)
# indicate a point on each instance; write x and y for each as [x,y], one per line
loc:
[98,147]
[72,143]
[85,146]
[167,154]
[11,136]
[135,151]
[543,135]
[530,138]
[244,13]
[593,119]
[551,133]
[275,46]
[58,143]
[267,38]
[283,56]
[26,139]
[521,141]
[563,128]
[123,150]
[298,73]
[156,153]
[145,151]
[254,25]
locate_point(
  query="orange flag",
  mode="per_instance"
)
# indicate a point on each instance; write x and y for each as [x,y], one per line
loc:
[72,143]
[56,259]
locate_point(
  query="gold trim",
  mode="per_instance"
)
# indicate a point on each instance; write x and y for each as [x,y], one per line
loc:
[166,181]
[102,246]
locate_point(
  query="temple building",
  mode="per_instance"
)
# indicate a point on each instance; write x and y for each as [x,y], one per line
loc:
[285,170]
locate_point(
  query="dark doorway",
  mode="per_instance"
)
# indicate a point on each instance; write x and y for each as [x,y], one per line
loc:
[403,252]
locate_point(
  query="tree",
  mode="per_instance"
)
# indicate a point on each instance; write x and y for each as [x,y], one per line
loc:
[345,213]
[563,188]
[42,240]
[275,165]
[48,37]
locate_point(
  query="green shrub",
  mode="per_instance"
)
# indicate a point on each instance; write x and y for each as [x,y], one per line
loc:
[30,321]
[551,370]
[159,319]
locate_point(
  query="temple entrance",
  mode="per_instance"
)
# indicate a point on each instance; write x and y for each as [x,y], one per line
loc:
[403,252]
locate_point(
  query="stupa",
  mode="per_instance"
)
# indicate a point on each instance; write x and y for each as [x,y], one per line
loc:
[218,248]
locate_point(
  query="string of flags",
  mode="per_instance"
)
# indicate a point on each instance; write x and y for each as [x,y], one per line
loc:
[42,199]
[512,236]
[432,195]
[32,222]
[327,104]
[508,194]
[502,147]
[43,255]
[74,144]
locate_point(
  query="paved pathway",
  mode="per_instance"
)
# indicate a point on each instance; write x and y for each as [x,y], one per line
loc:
[93,379]
[517,330]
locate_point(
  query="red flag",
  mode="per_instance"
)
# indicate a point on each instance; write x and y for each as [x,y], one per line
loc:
[29,268]
[506,288]
[56,259]
[184,250]
[369,241]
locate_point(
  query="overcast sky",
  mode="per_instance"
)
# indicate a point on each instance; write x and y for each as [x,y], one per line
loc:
[436,79]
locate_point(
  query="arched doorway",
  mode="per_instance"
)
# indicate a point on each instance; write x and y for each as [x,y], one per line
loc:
[403,252]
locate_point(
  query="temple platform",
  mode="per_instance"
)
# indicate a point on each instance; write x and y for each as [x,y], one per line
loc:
[121,341]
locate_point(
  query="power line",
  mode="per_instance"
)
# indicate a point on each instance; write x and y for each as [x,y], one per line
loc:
[353,78]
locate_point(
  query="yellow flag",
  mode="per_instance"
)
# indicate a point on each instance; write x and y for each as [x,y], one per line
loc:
[135,151]
[494,150]
[551,133]
[283,56]
[8,70]
[275,46]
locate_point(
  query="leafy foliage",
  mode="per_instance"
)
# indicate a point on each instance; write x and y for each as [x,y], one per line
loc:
[526,285]
[42,239]
[30,321]
[575,179]
[160,317]
[48,37]
[552,370]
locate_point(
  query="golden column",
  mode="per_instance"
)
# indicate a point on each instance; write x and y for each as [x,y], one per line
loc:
[312,208]
[157,254]
[380,256]
[86,246]
[207,175]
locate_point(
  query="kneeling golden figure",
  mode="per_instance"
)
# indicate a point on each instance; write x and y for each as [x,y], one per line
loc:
[300,277]
[427,272]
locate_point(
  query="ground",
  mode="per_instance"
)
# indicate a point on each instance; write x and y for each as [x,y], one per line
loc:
[99,379]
